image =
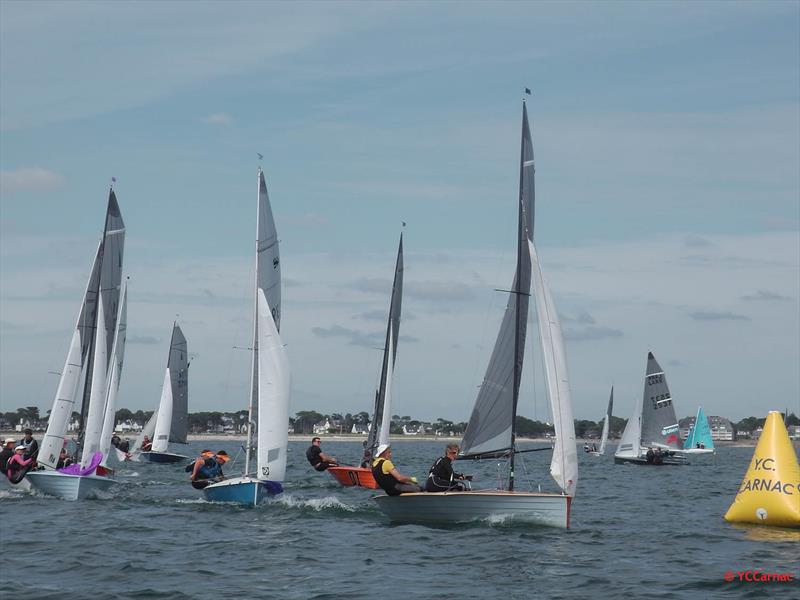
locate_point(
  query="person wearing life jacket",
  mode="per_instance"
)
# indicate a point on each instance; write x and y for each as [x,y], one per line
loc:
[147,445]
[317,458]
[388,477]
[31,445]
[203,456]
[442,478]
[17,466]
[208,470]
[6,453]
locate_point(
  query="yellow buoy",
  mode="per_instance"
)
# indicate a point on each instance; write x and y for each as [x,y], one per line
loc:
[770,491]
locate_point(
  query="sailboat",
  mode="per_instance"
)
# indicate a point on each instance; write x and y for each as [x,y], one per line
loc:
[381,417]
[172,417]
[651,434]
[606,424]
[699,440]
[92,353]
[268,423]
[491,431]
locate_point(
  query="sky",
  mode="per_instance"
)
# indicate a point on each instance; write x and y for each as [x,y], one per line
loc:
[667,141]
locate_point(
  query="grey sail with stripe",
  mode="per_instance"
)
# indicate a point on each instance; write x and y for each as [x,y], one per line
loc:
[490,431]
[376,434]
[178,365]
[659,423]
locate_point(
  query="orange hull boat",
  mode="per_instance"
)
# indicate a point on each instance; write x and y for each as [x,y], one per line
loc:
[350,476]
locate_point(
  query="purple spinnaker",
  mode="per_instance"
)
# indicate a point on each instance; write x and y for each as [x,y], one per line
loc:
[75,468]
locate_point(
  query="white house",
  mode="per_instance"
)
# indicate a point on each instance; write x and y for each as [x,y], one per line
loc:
[360,429]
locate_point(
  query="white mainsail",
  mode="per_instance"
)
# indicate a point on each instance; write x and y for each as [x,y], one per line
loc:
[160,440]
[93,428]
[564,464]
[269,400]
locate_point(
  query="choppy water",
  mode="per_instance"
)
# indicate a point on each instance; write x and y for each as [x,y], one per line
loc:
[637,532]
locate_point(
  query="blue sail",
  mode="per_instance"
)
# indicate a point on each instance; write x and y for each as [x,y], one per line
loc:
[700,434]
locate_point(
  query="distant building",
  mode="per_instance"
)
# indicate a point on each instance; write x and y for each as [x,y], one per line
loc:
[721,428]
[360,429]
[794,432]
[412,429]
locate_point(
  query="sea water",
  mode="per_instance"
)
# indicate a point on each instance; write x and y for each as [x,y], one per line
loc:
[636,532]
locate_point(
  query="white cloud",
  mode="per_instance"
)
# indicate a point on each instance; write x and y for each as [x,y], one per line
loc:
[29,179]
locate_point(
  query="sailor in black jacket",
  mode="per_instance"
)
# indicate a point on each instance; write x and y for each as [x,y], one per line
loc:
[442,477]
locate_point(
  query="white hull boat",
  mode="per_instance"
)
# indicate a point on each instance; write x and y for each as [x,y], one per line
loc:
[480,505]
[68,487]
[491,431]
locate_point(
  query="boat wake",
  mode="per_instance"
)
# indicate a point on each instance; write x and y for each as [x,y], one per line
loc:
[327,504]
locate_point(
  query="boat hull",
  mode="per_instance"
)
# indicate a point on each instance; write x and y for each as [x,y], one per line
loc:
[698,451]
[247,491]
[68,487]
[441,508]
[354,476]
[162,457]
[641,460]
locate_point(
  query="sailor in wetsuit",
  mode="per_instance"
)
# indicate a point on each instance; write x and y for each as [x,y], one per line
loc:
[318,459]
[208,470]
[388,477]
[442,477]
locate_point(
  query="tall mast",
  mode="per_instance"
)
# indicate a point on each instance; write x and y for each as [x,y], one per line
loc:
[521,238]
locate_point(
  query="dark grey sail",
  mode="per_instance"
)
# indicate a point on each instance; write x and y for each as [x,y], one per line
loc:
[178,365]
[490,431]
[109,259]
[659,423]
[377,433]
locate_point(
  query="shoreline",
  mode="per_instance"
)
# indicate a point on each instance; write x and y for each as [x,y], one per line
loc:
[294,437]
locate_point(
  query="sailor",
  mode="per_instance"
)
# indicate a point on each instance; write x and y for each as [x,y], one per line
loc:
[64,459]
[388,477]
[115,440]
[318,459]
[31,445]
[442,477]
[203,455]
[124,445]
[17,466]
[147,445]
[208,470]
[7,452]
[650,456]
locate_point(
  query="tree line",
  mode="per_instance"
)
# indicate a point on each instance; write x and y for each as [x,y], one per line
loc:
[303,422]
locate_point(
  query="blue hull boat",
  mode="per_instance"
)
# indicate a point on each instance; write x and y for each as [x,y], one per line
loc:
[247,491]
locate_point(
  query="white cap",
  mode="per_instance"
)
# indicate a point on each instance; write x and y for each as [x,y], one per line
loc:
[19,448]
[9,441]
[381,449]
